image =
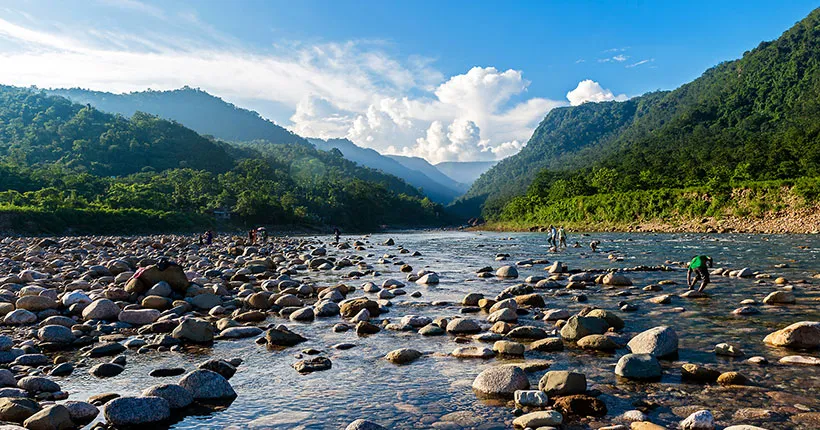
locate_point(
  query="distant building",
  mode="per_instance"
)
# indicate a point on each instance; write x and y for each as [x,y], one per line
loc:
[221,213]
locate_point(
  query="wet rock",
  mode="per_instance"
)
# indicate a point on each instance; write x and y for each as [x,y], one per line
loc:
[194,330]
[38,384]
[505,315]
[135,411]
[240,332]
[505,347]
[81,413]
[694,294]
[176,396]
[550,344]
[578,327]
[54,417]
[616,279]
[56,334]
[659,341]
[501,381]
[282,336]
[35,303]
[222,367]
[352,307]
[638,366]
[428,279]
[580,405]
[527,332]
[101,399]
[431,330]
[697,373]
[106,349]
[530,300]
[207,385]
[746,310]
[556,314]
[800,359]
[531,398]
[728,350]
[508,272]
[539,419]
[597,342]
[700,420]
[106,370]
[166,371]
[17,409]
[402,356]
[364,425]
[303,314]
[364,328]
[315,364]
[800,335]
[463,326]
[779,298]
[732,378]
[139,316]
[20,317]
[563,383]
[473,352]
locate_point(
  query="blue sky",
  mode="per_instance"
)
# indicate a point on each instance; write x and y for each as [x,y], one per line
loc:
[451,80]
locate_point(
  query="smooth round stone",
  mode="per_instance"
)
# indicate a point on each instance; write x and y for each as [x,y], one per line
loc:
[501,381]
[176,396]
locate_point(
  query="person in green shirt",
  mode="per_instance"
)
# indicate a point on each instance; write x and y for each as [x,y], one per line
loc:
[699,266]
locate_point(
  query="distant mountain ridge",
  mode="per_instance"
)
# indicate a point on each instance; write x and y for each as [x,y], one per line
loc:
[193,108]
[441,190]
[465,172]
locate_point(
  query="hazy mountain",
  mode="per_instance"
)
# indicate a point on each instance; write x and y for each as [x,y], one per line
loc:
[437,191]
[465,172]
[423,166]
[196,109]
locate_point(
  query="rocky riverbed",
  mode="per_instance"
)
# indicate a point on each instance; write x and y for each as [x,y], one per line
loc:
[442,330]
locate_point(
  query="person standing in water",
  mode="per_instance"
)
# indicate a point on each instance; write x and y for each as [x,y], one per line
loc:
[336,234]
[699,266]
[562,237]
[551,237]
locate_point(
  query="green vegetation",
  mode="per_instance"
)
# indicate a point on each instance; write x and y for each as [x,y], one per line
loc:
[752,119]
[628,208]
[66,166]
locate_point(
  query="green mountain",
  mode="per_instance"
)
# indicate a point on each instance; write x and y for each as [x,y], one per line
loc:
[193,108]
[65,165]
[755,118]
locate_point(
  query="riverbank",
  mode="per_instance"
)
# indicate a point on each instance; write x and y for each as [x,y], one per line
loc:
[804,221]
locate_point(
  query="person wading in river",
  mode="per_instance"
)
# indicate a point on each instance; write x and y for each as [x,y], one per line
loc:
[698,266]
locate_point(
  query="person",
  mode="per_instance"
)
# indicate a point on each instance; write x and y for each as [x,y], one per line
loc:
[698,266]
[562,237]
[336,234]
[251,236]
[209,237]
[551,238]
[263,233]
[594,245]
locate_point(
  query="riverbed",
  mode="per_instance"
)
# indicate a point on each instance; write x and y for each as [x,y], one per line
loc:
[435,390]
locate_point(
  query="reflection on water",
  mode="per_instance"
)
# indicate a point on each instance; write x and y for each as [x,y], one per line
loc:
[434,392]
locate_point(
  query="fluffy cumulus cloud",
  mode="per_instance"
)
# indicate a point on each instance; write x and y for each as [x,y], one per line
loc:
[591,91]
[353,89]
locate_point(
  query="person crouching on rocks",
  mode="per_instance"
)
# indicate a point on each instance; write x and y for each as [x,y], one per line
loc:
[699,266]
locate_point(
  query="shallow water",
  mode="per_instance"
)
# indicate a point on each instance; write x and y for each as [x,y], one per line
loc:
[434,391]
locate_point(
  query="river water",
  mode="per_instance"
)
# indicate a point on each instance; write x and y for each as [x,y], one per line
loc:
[434,391]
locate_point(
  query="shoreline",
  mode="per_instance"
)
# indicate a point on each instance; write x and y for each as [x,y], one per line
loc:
[793,222]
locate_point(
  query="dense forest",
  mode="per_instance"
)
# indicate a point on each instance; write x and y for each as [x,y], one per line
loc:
[191,107]
[752,119]
[62,163]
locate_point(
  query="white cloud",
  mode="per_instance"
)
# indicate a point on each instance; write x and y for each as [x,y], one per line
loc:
[629,66]
[591,91]
[620,58]
[351,89]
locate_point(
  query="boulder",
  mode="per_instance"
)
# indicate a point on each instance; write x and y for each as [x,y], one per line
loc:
[194,330]
[136,411]
[507,272]
[531,398]
[506,347]
[207,385]
[501,381]
[779,298]
[350,308]
[463,326]
[101,309]
[638,366]
[538,419]
[35,303]
[364,424]
[700,420]
[55,334]
[176,396]
[17,409]
[106,370]
[563,383]
[282,336]
[660,341]
[174,275]
[697,373]
[473,352]
[800,335]
[597,342]
[54,417]
[81,413]
[20,317]
[578,327]
[580,405]
[315,364]
[402,356]
[732,378]
[613,320]
[616,279]
[38,384]
[139,316]
[550,344]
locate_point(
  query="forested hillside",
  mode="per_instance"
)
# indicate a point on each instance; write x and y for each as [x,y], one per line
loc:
[193,108]
[64,165]
[752,119]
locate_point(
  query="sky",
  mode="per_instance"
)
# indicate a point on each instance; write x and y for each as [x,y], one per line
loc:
[443,80]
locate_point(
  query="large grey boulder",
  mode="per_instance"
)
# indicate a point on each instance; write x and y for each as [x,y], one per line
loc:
[563,383]
[660,341]
[176,396]
[207,385]
[136,411]
[638,366]
[578,327]
[501,381]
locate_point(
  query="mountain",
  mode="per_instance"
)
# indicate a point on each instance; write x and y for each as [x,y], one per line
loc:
[465,172]
[421,165]
[755,118]
[193,108]
[438,192]
[66,165]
